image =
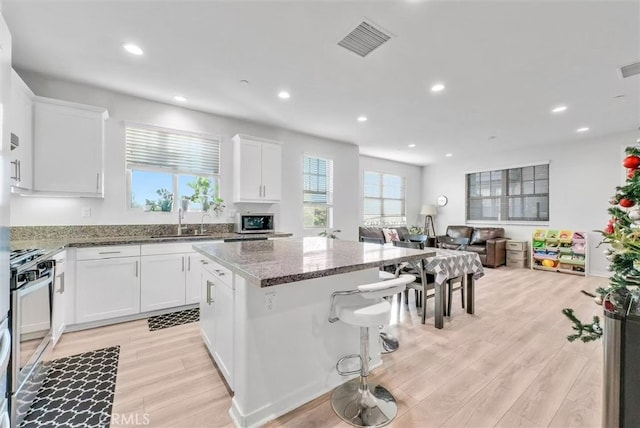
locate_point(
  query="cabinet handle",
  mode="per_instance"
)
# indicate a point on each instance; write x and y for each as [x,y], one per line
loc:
[19,170]
[182,263]
[264,191]
[98,182]
[209,298]
[189,263]
[15,170]
[137,268]
[260,190]
[109,252]
[61,289]
[204,262]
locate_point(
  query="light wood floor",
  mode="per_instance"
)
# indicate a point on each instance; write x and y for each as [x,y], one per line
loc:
[509,365]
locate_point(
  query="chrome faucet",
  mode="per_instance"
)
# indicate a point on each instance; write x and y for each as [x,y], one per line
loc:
[202,223]
[180,217]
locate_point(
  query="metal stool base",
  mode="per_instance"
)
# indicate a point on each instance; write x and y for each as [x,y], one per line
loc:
[373,407]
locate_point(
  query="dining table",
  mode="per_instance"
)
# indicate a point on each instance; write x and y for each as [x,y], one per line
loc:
[445,265]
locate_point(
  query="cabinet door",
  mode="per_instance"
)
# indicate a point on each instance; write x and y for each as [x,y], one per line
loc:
[207,309]
[68,145]
[21,126]
[193,277]
[59,299]
[271,172]
[107,288]
[162,281]
[249,184]
[224,328]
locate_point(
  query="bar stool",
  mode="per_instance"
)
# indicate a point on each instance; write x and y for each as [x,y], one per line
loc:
[390,343]
[357,402]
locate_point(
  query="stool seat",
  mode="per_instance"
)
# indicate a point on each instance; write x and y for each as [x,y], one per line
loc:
[383,275]
[364,313]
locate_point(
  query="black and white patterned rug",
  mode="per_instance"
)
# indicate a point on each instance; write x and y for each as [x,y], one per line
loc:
[174,318]
[77,391]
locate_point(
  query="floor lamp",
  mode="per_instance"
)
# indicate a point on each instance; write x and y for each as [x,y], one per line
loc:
[429,211]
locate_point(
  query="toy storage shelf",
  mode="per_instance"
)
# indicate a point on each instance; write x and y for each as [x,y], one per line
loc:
[559,251]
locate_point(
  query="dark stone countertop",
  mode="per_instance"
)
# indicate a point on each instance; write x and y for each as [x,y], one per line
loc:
[59,243]
[268,263]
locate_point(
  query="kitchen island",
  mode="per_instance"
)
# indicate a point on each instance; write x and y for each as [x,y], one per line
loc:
[264,317]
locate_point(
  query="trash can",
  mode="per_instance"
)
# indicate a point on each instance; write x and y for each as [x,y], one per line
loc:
[621,374]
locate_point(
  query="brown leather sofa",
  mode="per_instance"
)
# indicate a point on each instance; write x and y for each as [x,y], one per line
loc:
[488,242]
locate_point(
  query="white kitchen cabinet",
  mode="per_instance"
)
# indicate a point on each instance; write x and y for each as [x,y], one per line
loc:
[109,286]
[217,310]
[257,170]
[60,298]
[193,277]
[21,129]
[163,281]
[68,148]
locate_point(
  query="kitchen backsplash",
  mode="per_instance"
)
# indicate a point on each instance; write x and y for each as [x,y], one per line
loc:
[20,233]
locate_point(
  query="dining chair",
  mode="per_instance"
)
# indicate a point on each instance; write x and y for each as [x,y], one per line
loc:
[417,285]
[368,240]
[450,243]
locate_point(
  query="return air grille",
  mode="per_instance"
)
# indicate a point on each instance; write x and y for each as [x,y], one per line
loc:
[364,39]
[630,70]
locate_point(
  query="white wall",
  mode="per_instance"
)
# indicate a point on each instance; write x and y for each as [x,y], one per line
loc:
[27,211]
[413,176]
[583,177]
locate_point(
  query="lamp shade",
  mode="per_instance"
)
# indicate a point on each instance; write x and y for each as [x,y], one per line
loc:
[428,210]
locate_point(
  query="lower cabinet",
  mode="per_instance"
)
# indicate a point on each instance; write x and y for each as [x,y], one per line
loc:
[59,298]
[163,281]
[217,317]
[107,288]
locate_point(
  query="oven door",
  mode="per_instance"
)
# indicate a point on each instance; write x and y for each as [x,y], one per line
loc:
[5,353]
[31,320]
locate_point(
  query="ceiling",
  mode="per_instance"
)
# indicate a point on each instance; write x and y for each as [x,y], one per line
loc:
[505,66]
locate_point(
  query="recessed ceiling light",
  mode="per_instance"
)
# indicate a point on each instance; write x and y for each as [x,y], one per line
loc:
[583,129]
[133,49]
[284,95]
[437,87]
[180,99]
[362,118]
[559,109]
[411,146]
[449,155]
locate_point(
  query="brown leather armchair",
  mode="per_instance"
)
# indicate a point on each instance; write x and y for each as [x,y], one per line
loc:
[488,242]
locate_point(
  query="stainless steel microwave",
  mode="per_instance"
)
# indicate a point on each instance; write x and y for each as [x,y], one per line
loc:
[255,223]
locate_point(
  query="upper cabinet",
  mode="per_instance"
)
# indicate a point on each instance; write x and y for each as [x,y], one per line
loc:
[68,148]
[21,129]
[257,172]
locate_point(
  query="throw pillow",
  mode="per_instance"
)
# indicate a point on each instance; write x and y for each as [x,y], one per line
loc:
[390,235]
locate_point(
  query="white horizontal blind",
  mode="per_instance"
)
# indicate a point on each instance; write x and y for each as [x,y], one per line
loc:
[384,199]
[318,180]
[180,152]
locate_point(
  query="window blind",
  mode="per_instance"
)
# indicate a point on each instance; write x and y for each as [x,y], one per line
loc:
[180,152]
[318,182]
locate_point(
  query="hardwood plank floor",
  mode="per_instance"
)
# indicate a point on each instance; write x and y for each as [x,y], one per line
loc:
[508,365]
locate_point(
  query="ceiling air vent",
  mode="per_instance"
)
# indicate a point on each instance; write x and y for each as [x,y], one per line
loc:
[630,70]
[364,39]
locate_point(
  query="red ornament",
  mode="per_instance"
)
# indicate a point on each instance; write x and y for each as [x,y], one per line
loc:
[626,203]
[631,161]
[632,173]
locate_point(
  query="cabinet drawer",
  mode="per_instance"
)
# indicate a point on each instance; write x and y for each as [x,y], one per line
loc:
[517,245]
[516,255]
[107,252]
[218,271]
[171,248]
[517,263]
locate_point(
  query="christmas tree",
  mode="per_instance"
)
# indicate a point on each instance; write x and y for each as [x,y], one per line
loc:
[623,235]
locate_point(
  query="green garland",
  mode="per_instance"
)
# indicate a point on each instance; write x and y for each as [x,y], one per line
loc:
[585,332]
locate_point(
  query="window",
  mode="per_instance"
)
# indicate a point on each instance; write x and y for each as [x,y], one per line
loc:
[514,194]
[384,199]
[166,165]
[317,192]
